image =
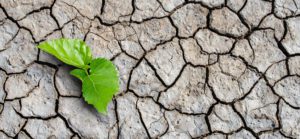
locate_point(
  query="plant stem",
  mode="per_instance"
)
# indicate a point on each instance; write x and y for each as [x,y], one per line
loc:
[86,71]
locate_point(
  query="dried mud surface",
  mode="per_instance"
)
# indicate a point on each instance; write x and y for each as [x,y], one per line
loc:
[208,69]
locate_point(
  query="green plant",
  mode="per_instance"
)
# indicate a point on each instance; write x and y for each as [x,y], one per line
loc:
[99,76]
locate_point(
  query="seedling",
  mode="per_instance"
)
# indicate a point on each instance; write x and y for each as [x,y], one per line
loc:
[99,76]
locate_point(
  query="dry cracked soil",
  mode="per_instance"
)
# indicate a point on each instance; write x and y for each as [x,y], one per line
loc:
[208,69]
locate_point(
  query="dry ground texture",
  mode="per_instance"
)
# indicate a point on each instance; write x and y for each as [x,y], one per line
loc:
[208,69]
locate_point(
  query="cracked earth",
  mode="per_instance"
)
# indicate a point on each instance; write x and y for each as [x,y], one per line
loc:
[208,69]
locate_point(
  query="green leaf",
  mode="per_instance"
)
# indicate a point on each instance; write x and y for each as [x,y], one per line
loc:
[99,87]
[79,73]
[71,51]
[99,76]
